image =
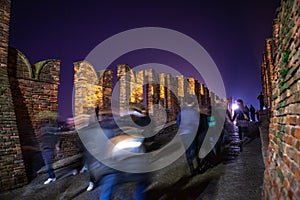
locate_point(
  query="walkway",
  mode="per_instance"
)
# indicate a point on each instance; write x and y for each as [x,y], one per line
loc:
[241,179]
[239,176]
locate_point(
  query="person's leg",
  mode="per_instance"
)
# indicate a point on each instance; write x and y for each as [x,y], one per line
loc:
[107,185]
[190,155]
[47,156]
[189,161]
[92,182]
[241,138]
[139,191]
[240,133]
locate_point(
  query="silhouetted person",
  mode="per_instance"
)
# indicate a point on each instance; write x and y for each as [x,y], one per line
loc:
[252,113]
[261,101]
[97,109]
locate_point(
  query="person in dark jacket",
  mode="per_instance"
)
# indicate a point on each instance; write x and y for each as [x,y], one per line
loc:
[261,101]
[49,143]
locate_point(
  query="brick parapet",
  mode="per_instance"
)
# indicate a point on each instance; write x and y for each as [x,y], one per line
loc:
[34,92]
[282,174]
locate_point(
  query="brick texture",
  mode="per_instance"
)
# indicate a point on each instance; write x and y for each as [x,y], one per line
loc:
[281,84]
[12,168]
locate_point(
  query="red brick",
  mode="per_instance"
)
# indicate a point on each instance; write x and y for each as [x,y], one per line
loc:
[286,184]
[290,194]
[297,173]
[287,160]
[292,120]
[297,133]
[289,140]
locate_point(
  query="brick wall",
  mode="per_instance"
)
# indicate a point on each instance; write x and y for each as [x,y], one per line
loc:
[70,144]
[282,89]
[34,90]
[12,169]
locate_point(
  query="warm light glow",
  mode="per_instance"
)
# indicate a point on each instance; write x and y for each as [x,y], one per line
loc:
[180,86]
[201,89]
[191,88]
[162,86]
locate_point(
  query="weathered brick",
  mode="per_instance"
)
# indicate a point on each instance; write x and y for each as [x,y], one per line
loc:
[293,120]
[8,127]
[287,160]
[297,173]
[283,54]
[297,133]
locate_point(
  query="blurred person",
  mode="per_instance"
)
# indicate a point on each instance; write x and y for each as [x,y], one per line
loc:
[50,146]
[188,121]
[228,116]
[242,122]
[89,126]
[87,160]
[105,172]
[215,121]
[97,109]
[247,111]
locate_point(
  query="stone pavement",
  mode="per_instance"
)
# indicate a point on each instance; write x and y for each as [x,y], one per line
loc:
[239,176]
[241,179]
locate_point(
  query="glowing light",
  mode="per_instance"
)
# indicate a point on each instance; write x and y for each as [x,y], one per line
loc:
[234,106]
[128,144]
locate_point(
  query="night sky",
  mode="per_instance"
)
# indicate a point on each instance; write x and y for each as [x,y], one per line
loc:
[232,32]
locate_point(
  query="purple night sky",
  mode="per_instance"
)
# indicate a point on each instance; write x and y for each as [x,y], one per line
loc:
[232,32]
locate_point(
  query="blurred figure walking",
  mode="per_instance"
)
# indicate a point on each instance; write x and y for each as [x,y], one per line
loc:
[188,121]
[49,142]
[242,121]
[247,111]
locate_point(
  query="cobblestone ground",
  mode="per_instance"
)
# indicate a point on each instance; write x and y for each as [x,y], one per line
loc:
[237,176]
